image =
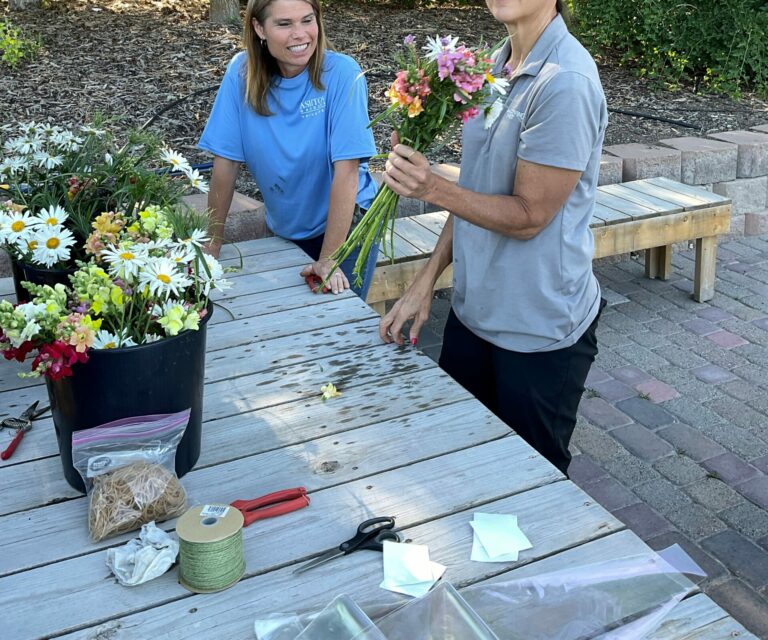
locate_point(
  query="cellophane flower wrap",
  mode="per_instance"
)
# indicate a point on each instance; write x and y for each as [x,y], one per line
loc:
[433,93]
[55,181]
[147,279]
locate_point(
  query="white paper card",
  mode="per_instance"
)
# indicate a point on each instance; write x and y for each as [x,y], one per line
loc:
[408,569]
[498,538]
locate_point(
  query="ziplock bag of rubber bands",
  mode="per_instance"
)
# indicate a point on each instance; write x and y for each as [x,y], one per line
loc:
[621,599]
[128,467]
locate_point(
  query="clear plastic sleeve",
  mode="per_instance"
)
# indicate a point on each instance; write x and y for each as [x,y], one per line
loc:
[128,467]
[622,599]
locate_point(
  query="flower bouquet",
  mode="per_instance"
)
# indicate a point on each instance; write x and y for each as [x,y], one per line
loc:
[147,279]
[55,181]
[432,95]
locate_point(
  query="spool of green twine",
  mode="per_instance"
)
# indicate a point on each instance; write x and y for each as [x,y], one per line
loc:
[211,555]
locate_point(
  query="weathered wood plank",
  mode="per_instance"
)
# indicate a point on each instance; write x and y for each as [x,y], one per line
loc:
[290,257]
[391,281]
[258,304]
[689,202]
[662,230]
[704,271]
[259,356]
[690,190]
[29,540]
[345,308]
[632,209]
[399,245]
[609,216]
[418,235]
[651,202]
[254,247]
[37,482]
[698,617]
[402,493]
[433,220]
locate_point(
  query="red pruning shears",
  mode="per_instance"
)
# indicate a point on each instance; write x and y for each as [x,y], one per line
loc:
[271,505]
[314,281]
[22,424]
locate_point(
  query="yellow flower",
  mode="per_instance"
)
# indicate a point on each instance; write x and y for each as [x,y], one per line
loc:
[329,391]
[415,108]
[116,295]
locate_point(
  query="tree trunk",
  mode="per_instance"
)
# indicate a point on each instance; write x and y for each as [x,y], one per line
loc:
[20,5]
[223,11]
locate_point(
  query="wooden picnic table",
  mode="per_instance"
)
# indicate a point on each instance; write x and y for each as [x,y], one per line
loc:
[403,439]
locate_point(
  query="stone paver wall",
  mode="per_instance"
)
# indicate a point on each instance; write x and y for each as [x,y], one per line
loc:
[731,163]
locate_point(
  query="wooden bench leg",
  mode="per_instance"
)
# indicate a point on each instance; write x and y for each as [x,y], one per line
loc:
[379,307]
[704,273]
[658,262]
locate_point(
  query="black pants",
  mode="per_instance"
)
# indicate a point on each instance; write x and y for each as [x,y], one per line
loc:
[536,394]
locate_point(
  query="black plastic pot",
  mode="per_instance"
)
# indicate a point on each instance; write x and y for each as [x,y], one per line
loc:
[23,272]
[160,377]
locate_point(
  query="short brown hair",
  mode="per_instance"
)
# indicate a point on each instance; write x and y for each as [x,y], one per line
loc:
[261,67]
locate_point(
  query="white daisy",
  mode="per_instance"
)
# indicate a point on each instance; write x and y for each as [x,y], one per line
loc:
[12,165]
[108,159]
[106,340]
[126,260]
[216,278]
[196,180]
[182,254]
[498,85]
[46,161]
[21,225]
[53,245]
[197,238]
[53,216]
[493,112]
[163,277]
[92,131]
[437,45]
[176,160]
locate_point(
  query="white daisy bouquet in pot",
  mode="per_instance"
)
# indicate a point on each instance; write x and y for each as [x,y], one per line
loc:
[55,181]
[147,279]
[432,95]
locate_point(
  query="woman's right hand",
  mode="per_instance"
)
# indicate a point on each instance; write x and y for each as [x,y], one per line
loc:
[414,305]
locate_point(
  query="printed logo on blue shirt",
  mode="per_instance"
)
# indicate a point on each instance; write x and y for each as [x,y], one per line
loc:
[312,107]
[514,114]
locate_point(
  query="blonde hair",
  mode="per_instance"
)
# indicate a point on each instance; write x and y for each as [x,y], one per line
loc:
[261,66]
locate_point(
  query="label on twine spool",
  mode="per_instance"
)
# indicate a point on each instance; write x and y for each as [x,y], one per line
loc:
[211,555]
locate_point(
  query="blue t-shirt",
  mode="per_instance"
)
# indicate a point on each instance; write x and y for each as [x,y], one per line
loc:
[290,154]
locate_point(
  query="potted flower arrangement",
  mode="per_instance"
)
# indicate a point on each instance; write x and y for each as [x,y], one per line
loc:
[127,337]
[55,181]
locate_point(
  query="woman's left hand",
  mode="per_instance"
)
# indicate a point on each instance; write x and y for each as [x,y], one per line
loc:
[321,268]
[408,172]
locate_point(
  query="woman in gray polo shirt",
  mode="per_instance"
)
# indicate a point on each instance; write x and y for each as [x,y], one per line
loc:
[521,332]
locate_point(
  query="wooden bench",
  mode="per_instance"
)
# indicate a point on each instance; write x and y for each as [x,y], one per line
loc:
[649,215]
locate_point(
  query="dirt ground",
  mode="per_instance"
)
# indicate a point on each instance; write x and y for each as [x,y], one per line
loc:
[129,59]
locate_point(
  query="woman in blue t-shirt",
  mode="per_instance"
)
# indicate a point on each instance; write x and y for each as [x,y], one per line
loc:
[297,115]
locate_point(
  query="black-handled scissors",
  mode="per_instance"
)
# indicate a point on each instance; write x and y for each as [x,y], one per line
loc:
[371,534]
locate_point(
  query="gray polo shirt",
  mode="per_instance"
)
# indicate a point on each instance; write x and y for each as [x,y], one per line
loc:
[538,294]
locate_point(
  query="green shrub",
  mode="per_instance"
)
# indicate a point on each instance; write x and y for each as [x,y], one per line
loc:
[719,45]
[13,47]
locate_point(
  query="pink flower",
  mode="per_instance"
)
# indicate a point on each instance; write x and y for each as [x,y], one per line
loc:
[468,114]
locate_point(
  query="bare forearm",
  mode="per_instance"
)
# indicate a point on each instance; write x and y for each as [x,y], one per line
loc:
[341,205]
[538,193]
[222,189]
[508,215]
